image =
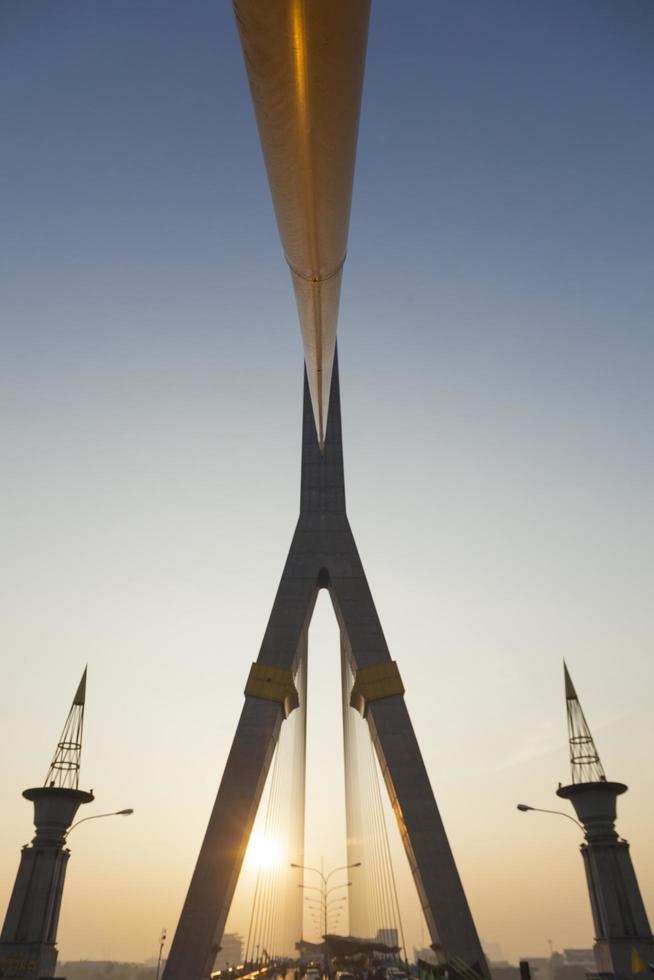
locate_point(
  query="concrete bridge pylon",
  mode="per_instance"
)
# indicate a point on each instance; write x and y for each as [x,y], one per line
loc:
[323,554]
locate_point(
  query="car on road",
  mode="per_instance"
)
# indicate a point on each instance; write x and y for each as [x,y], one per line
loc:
[394,973]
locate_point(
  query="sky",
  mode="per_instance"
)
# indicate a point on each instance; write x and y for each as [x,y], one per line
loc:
[496,349]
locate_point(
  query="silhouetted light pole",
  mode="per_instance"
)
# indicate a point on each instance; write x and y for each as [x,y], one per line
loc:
[324,878]
[162,940]
[525,808]
[96,816]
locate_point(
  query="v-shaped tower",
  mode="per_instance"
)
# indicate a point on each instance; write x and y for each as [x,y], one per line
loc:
[623,938]
[323,554]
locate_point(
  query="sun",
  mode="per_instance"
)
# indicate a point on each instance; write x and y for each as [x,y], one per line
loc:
[265,852]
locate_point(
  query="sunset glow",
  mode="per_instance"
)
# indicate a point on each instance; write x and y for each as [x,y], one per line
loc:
[265,852]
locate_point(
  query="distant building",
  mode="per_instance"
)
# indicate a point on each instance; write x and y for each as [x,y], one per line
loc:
[231,952]
[107,970]
[572,964]
[424,953]
[580,957]
[540,966]
[493,951]
[387,936]
[503,970]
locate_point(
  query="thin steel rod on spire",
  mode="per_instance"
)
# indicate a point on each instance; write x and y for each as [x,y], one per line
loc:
[585,763]
[65,765]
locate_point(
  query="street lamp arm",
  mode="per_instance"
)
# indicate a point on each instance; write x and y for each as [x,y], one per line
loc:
[338,900]
[525,808]
[320,907]
[345,867]
[305,867]
[96,816]
[336,887]
[311,888]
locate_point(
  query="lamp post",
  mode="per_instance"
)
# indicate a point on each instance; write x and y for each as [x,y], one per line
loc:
[323,895]
[334,888]
[324,891]
[96,816]
[316,912]
[162,940]
[525,808]
[314,904]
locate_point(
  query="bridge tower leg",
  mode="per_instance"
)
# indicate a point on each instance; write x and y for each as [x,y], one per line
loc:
[323,554]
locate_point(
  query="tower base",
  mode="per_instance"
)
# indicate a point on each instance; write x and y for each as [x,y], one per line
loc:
[624,946]
[29,933]
[27,961]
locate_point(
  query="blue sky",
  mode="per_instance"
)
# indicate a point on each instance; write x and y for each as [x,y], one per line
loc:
[496,348]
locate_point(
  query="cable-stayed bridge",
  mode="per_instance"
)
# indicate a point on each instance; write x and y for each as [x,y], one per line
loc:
[381,754]
[305,65]
[305,62]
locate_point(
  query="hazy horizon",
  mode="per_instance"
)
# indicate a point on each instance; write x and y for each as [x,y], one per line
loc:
[495,352]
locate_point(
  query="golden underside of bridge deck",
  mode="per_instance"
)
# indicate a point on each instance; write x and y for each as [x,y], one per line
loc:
[305,63]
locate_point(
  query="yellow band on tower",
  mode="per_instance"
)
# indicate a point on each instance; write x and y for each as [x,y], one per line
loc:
[273,684]
[374,683]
